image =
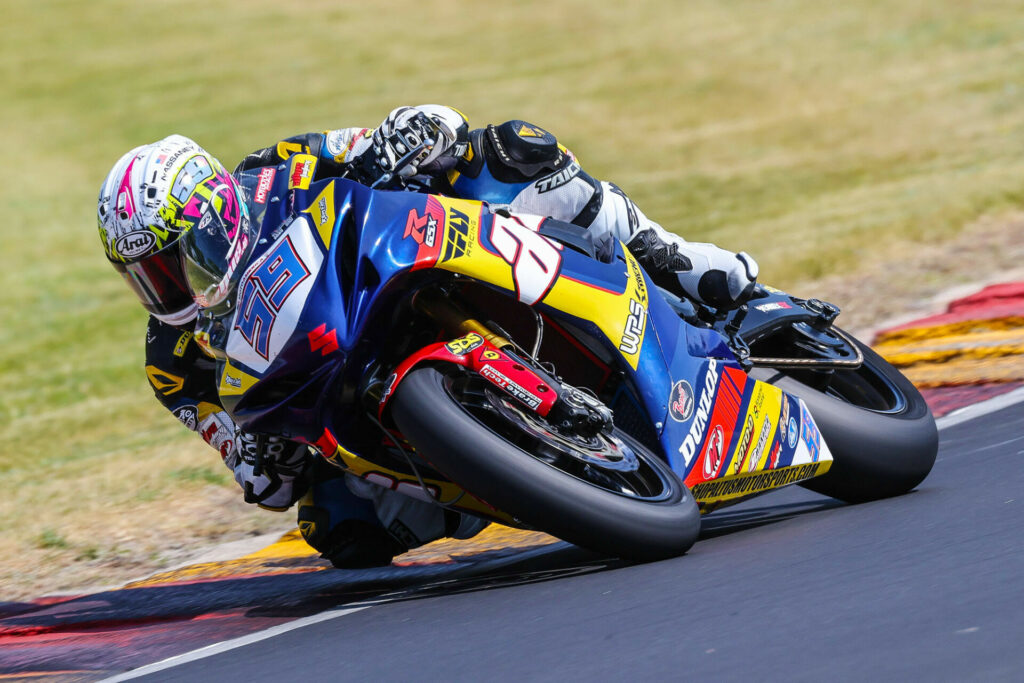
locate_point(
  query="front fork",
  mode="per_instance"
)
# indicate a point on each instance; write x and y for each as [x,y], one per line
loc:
[498,360]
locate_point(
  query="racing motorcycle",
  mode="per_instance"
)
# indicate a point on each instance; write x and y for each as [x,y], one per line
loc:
[489,362]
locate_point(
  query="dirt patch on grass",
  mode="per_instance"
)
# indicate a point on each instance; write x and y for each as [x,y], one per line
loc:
[125,516]
[919,280]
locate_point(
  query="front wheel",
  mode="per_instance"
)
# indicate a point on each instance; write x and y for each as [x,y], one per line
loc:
[876,423]
[605,492]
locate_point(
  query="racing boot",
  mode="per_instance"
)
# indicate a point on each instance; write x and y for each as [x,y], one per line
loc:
[695,270]
[358,524]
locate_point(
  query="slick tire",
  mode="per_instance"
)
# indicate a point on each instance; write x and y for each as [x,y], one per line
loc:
[466,450]
[877,425]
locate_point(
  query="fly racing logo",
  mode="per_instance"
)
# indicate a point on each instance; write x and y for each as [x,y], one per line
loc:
[458,234]
[634,331]
[700,418]
[558,179]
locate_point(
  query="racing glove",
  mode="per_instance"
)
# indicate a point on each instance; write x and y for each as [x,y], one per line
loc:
[273,472]
[705,273]
[432,129]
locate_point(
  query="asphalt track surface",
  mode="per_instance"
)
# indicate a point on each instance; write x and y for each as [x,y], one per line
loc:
[790,586]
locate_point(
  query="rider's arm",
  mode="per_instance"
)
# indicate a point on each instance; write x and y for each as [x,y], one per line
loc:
[184,380]
[372,149]
[334,148]
[522,166]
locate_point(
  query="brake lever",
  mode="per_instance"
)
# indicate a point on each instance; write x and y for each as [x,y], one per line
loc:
[383,181]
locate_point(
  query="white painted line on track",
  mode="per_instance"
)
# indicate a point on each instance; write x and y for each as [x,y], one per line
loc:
[217,648]
[984,408]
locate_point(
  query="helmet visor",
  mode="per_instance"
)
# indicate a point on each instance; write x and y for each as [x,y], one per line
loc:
[159,282]
[215,254]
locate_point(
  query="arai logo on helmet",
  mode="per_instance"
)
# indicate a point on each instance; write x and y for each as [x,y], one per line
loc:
[135,243]
[680,401]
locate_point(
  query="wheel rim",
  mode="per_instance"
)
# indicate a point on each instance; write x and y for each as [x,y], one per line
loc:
[867,389]
[864,386]
[608,461]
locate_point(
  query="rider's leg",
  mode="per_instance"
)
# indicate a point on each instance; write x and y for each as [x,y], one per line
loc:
[355,523]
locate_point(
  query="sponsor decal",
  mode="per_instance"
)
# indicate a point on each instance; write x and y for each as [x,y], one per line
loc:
[762,441]
[458,235]
[748,434]
[164,382]
[713,452]
[556,180]
[428,227]
[680,401]
[689,447]
[773,459]
[235,382]
[773,306]
[182,344]
[809,433]
[490,355]
[301,175]
[322,340]
[510,387]
[335,144]
[174,157]
[322,205]
[792,432]
[422,228]
[463,345]
[389,386]
[206,219]
[748,484]
[528,131]
[634,332]
[784,420]
[264,184]
[638,279]
[218,431]
[135,243]
[188,415]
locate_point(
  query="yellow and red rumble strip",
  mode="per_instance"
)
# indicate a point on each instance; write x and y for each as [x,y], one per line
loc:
[291,555]
[92,636]
[976,347]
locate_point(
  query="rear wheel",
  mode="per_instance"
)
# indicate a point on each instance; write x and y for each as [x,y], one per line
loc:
[605,492]
[876,423]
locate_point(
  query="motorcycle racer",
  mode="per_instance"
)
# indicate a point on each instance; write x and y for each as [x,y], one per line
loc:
[156,192]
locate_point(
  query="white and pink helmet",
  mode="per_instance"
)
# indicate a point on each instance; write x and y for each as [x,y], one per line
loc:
[152,196]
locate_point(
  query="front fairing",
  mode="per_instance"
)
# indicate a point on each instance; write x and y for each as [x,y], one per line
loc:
[299,314]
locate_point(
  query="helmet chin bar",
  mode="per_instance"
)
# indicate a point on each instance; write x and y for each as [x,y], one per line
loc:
[178,318]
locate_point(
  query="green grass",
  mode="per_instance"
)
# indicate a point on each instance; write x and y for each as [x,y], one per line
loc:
[816,136]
